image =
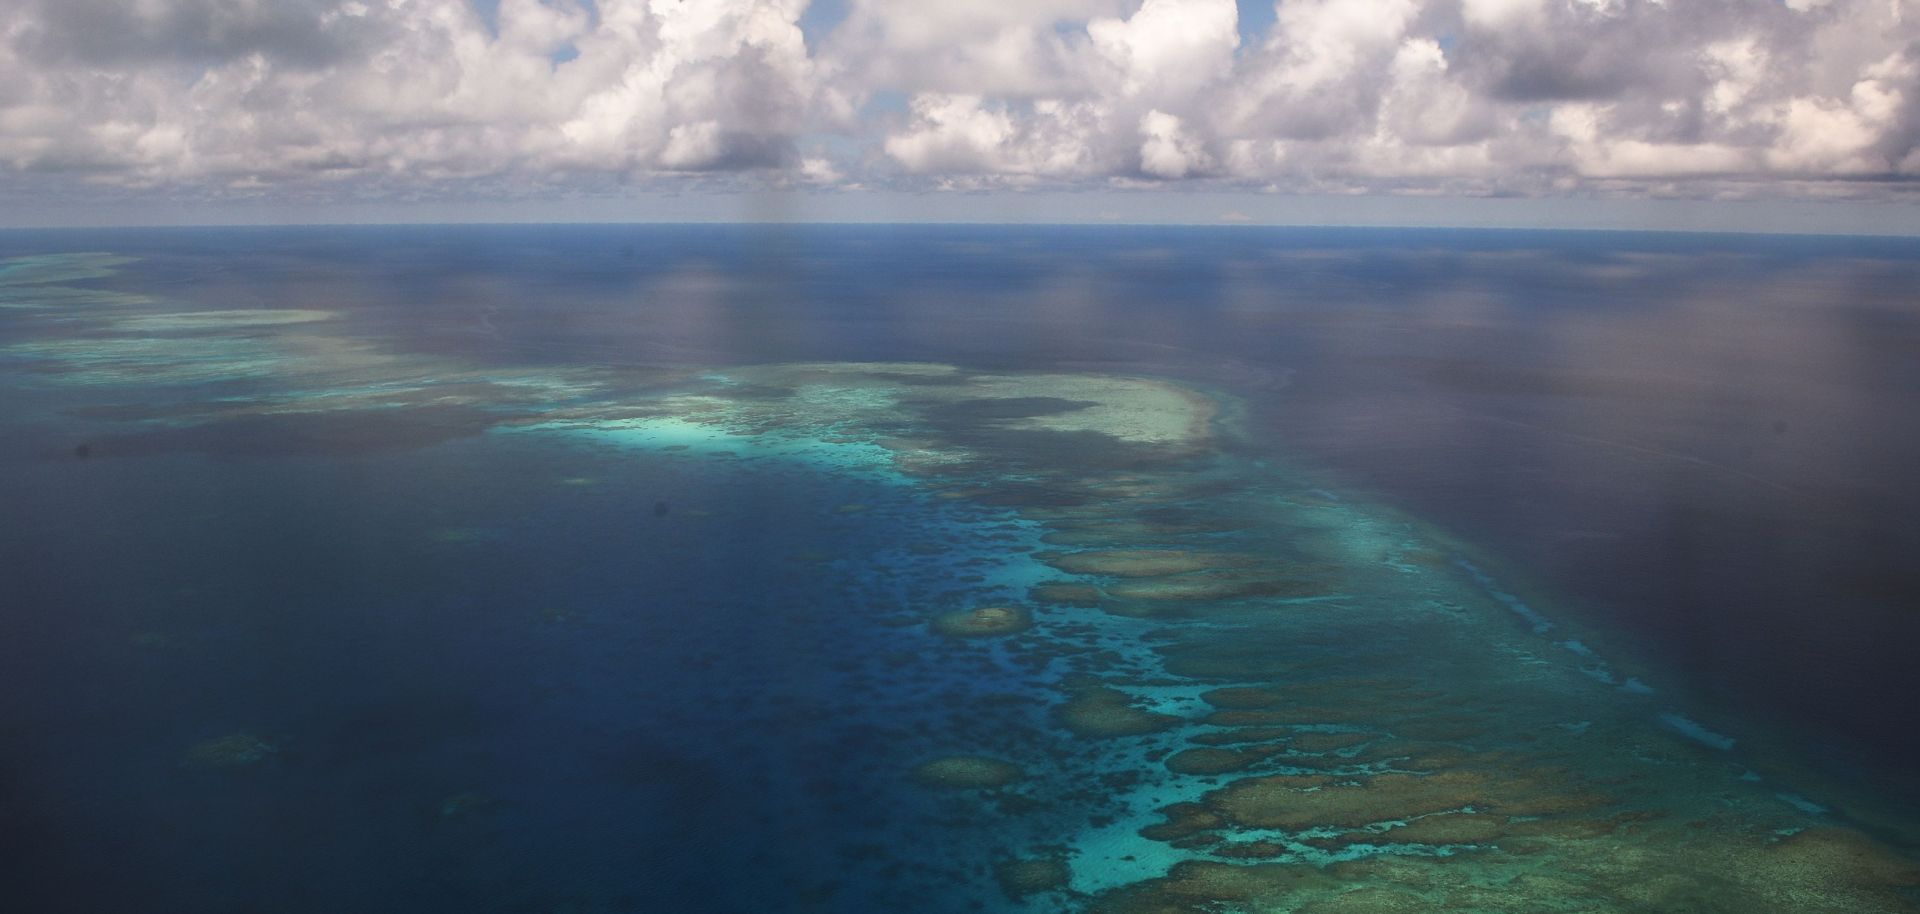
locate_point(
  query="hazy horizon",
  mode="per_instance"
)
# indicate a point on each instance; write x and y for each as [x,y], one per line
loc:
[1784,217]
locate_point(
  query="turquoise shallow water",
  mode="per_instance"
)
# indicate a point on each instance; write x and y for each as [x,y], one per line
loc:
[604,570]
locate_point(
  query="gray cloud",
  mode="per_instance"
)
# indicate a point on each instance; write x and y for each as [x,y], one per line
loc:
[1597,51]
[1901,143]
[115,34]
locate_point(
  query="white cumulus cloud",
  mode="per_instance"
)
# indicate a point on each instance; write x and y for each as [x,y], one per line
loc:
[311,98]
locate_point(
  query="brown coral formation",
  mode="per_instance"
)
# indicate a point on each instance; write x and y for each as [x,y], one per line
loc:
[1184,820]
[968,772]
[1020,878]
[1369,901]
[1104,712]
[1137,563]
[1211,586]
[1448,828]
[1249,850]
[1819,871]
[1327,742]
[1294,803]
[983,622]
[1196,886]
[1208,760]
[1242,698]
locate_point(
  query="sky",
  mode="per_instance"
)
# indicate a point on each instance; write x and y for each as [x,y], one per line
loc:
[1774,115]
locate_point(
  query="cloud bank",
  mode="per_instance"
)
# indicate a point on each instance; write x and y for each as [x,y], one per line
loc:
[343,99]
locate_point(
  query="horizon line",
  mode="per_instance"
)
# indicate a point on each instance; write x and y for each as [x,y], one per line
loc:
[958,223]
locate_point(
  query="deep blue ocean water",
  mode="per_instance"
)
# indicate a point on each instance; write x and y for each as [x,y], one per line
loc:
[500,671]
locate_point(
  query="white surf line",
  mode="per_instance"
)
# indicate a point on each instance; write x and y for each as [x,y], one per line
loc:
[1540,624]
[1692,730]
[1672,720]
[1591,663]
[1588,661]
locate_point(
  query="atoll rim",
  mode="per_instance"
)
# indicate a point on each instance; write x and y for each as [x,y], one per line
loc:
[782,632]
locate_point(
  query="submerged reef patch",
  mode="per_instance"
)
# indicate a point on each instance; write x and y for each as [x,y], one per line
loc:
[23,278]
[1065,592]
[1020,878]
[1137,563]
[1217,761]
[232,751]
[968,772]
[1104,712]
[233,319]
[983,622]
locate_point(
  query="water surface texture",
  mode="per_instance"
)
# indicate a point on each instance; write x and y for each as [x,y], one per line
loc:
[958,569]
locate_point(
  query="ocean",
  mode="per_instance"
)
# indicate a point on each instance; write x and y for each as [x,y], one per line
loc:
[957,568]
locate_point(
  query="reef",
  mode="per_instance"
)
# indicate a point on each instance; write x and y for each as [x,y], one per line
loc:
[983,622]
[1326,709]
[1136,563]
[968,772]
[467,805]
[1448,828]
[1213,587]
[233,751]
[60,268]
[1020,878]
[1822,871]
[1066,593]
[1102,712]
[1203,886]
[1217,761]
[1296,802]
